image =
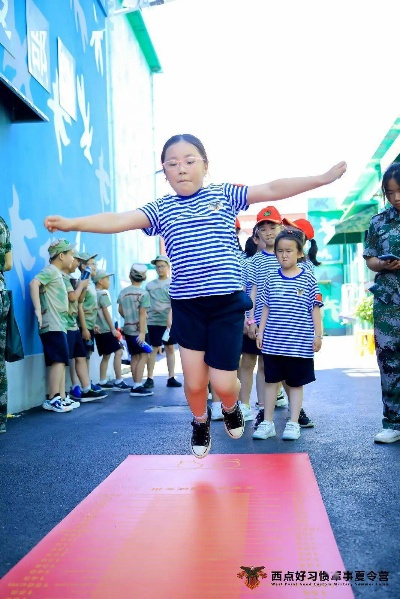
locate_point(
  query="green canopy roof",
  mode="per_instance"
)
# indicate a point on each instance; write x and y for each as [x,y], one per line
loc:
[354,222]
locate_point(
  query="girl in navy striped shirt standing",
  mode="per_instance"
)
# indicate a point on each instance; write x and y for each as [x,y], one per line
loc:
[290,331]
[197,224]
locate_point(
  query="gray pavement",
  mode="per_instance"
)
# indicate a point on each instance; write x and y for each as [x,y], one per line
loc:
[50,462]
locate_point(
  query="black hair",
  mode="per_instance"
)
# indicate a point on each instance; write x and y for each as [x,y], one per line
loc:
[312,252]
[392,172]
[191,139]
[295,235]
[250,247]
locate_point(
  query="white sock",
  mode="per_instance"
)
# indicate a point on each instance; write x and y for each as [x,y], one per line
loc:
[103,381]
[136,385]
[86,389]
[118,381]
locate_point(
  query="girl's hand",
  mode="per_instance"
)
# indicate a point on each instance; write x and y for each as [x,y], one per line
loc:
[335,172]
[96,329]
[85,334]
[259,340]
[253,328]
[57,223]
[317,344]
[140,338]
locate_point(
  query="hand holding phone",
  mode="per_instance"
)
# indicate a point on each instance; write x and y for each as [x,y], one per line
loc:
[388,257]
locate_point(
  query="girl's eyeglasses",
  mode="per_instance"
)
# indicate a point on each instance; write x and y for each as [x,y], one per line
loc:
[171,165]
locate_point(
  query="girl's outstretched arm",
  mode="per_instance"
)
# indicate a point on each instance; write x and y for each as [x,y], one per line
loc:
[286,188]
[105,222]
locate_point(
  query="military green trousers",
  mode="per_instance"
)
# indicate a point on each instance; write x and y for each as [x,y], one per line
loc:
[4,307]
[387,344]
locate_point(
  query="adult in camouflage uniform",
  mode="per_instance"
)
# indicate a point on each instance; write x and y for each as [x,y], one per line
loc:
[5,264]
[384,238]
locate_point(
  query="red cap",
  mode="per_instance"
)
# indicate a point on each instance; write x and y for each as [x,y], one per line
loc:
[237,224]
[269,214]
[305,226]
[289,223]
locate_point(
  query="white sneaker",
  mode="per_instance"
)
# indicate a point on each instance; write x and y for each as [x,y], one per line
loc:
[70,404]
[292,431]
[54,405]
[246,411]
[264,430]
[281,401]
[216,411]
[387,435]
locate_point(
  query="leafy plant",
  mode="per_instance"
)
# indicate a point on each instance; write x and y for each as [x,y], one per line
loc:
[364,309]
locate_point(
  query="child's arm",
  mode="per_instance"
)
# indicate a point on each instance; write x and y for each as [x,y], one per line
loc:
[317,320]
[169,319]
[286,188]
[252,327]
[263,322]
[82,322]
[142,324]
[109,321]
[34,287]
[104,222]
[76,294]
[121,310]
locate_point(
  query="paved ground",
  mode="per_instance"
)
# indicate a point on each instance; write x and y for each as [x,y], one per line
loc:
[49,462]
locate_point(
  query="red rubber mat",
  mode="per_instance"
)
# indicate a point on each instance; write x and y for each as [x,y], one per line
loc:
[173,527]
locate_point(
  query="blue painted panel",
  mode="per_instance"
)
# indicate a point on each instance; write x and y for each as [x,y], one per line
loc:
[59,167]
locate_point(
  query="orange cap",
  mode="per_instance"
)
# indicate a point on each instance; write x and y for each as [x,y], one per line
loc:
[269,214]
[305,226]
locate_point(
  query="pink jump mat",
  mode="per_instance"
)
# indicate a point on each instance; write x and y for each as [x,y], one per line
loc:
[174,527]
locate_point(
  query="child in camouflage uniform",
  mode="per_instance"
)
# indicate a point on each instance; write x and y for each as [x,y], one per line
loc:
[384,238]
[133,302]
[50,301]
[5,264]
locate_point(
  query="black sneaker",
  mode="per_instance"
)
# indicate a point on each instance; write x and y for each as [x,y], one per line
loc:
[140,391]
[259,418]
[149,384]
[200,443]
[304,420]
[234,422]
[172,382]
[92,396]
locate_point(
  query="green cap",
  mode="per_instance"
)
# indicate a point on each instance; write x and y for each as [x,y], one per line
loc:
[102,274]
[85,256]
[161,258]
[60,246]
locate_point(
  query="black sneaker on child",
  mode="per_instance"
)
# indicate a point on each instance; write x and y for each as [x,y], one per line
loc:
[234,422]
[200,443]
[92,396]
[148,384]
[172,382]
[258,419]
[304,420]
[140,391]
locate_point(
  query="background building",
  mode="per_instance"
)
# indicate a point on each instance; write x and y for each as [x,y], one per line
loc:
[76,137]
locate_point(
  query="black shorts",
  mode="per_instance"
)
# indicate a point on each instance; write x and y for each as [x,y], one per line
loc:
[106,344]
[76,346]
[133,348]
[296,372]
[155,335]
[55,347]
[213,325]
[88,348]
[249,346]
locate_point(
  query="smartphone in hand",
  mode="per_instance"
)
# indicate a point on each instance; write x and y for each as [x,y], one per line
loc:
[388,257]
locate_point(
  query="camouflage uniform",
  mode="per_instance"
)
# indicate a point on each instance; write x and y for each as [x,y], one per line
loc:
[383,238]
[5,247]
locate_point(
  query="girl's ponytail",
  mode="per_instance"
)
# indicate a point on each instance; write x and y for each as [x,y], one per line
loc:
[312,252]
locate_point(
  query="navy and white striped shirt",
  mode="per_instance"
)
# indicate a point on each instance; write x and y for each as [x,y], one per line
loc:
[200,239]
[290,329]
[260,265]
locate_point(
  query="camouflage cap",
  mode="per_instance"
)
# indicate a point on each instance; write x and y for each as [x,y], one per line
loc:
[102,274]
[60,246]
[138,272]
[85,256]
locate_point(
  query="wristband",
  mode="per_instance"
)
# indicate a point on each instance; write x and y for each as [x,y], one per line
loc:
[250,321]
[318,336]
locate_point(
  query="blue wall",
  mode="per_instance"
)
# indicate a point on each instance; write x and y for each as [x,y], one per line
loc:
[60,166]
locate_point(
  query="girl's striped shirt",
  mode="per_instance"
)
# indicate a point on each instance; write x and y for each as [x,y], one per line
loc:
[200,239]
[290,329]
[260,265]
